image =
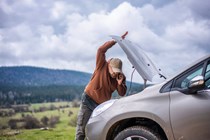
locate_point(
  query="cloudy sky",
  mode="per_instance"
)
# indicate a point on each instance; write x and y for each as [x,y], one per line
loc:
[65,34]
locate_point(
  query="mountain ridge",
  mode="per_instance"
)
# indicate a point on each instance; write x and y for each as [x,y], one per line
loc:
[39,76]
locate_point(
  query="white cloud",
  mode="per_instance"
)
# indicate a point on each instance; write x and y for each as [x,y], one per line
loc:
[60,9]
[189,32]
[199,9]
[5,7]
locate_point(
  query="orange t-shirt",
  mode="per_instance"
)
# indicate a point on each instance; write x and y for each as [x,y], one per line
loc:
[102,85]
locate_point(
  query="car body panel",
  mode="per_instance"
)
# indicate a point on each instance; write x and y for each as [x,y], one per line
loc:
[138,58]
[190,115]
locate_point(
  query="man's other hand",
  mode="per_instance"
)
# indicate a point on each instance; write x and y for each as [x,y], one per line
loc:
[123,36]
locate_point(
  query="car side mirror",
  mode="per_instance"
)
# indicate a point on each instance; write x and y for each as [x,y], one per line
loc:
[195,84]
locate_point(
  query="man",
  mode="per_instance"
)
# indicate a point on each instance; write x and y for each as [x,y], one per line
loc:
[107,78]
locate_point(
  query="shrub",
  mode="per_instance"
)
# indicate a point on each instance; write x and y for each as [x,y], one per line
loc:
[45,120]
[54,120]
[4,127]
[73,121]
[75,103]
[52,107]
[31,122]
[70,113]
[42,109]
[6,112]
[12,124]
[23,115]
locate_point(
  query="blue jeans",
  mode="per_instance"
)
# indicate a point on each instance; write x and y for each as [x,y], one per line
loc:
[86,108]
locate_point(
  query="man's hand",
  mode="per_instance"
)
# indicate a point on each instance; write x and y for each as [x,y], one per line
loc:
[110,43]
[123,36]
[120,78]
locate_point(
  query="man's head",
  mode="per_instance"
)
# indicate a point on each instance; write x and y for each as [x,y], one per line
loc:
[115,67]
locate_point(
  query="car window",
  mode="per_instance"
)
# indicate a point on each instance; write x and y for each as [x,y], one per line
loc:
[207,76]
[183,81]
[166,87]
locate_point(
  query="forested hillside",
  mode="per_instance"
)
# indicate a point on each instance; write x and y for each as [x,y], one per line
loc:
[34,76]
[24,84]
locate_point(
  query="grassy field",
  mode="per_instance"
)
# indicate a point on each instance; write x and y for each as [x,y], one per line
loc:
[62,130]
[57,104]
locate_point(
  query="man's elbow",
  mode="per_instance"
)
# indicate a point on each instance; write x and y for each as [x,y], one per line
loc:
[122,93]
[101,50]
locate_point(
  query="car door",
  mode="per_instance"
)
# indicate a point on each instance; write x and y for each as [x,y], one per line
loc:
[190,113]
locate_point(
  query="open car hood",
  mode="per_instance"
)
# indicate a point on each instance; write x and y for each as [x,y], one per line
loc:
[138,58]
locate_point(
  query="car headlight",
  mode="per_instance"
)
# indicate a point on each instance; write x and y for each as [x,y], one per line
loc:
[102,107]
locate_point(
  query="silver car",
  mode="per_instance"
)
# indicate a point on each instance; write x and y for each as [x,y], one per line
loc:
[176,109]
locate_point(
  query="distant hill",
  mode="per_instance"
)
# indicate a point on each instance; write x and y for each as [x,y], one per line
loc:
[35,76]
[26,84]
